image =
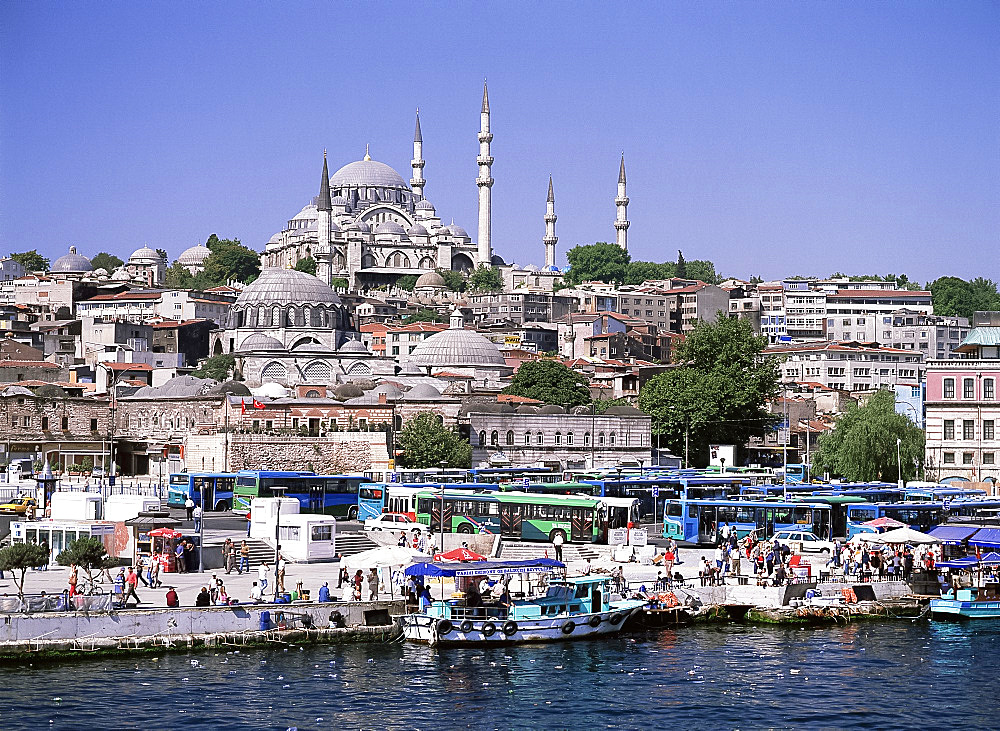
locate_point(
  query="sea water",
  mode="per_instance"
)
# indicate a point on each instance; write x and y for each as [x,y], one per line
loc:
[901,675]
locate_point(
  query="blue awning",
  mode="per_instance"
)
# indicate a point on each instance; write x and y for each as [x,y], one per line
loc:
[986,538]
[966,562]
[952,535]
[479,568]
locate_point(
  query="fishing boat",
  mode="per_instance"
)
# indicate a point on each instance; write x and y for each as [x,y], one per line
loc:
[561,609]
[971,601]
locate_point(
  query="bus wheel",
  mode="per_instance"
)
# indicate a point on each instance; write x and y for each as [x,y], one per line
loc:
[352,513]
[222,507]
[553,534]
[465,528]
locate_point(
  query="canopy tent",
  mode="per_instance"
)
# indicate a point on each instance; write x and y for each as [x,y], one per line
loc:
[383,557]
[166,533]
[480,568]
[904,535]
[986,538]
[459,554]
[884,522]
[990,559]
[970,562]
[952,535]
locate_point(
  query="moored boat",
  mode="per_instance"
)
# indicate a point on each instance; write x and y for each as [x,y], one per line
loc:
[972,602]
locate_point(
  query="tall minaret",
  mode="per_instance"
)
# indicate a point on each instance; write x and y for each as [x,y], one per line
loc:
[417,182]
[550,228]
[484,181]
[324,207]
[621,204]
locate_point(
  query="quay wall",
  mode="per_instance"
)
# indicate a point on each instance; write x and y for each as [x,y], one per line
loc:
[779,596]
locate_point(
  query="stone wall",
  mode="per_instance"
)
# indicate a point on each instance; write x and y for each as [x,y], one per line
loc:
[335,453]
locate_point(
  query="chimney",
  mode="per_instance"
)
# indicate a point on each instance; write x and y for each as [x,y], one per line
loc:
[381,398]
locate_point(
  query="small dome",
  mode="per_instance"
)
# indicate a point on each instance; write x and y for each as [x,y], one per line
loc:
[308,213]
[347,391]
[390,390]
[71,263]
[409,368]
[260,341]
[50,390]
[622,411]
[276,239]
[416,230]
[286,287]
[390,228]
[422,392]
[365,384]
[16,391]
[309,347]
[100,272]
[121,275]
[367,173]
[531,268]
[232,388]
[424,205]
[145,255]
[270,390]
[196,255]
[430,280]
[458,231]
[354,346]
[457,346]
[527,409]
[338,200]
[551,409]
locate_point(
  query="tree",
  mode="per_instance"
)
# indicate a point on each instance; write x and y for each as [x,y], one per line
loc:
[717,393]
[307,265]
[862,446]
[703,270]
[217,367]
[638,272]
[601,405]
[550,381]
[163,254]
[424,315]
[32,261]
[177,276]
[602,262]
[427,442]
[339,283]
[230,260]
[485,279]
[87,553]
[954,296]
[407,282]
[21,557]
[681,271]
[108,262]
[453,280]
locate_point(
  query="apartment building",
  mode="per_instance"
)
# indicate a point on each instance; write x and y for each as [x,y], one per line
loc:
[518,308]
[170,304]
[849,366]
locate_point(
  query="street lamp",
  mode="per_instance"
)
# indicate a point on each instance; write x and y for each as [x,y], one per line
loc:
[899,464]
[201,526]
[276,490]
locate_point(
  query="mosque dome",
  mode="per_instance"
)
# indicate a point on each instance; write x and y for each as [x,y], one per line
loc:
[120,275]
[102,272]
[145,255]
[286,287]
[196,255]
[390,227]
[416,230]
[260,341]
[348,391]
[354,346]
[458,231]
[424,205]
[430,280]
[457,346]
[422,392]
[270,390]
[71,263]
[308,213]
[367,173]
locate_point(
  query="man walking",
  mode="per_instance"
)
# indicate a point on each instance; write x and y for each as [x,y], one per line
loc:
[262,577]
[197,513]
[189,508]
[244,558]
[131,581]
[229,555]
[281,574]
[179,555]
[557,543]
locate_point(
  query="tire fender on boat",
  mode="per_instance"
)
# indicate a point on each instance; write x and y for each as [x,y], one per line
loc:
[568,626]
[617,618]
[489,629]
[444,627]
[595,621]
[509,628]
[466,626]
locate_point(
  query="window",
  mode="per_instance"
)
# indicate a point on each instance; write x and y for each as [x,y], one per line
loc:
[93,425]
[968,429]
[288,533]
[600,439]
[988,389]
[988,429]
[586,439]
[322,533]
[968,388]
[558,437]
[967,457]
[539,439]
[949,458]
[495,438]
[510,438]
[949,388]
[45,422]
[569,438]
[611,439]
[482,439]
[988,458]
[949,428]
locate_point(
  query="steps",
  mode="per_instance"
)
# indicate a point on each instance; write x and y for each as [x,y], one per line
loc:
[349,544]
[522,551]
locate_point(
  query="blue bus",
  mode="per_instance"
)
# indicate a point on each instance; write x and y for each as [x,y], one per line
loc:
[335,495]
[940,493]
[698,521]
[217,487]
[921,515]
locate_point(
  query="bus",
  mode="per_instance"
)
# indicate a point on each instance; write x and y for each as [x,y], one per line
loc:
[375,498]
[502,475]
[697,521]
[941,493]
[838,509]
[335,495]
[217,487]
[520,516]
[921,516]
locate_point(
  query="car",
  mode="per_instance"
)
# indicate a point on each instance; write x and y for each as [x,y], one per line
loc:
[393,521]
[804,541]
[19,505]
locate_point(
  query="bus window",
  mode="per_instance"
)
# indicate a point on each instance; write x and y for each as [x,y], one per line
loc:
[674,510]
[370,493]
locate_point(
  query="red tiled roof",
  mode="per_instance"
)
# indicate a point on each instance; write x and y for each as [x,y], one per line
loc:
[27,364]
[878,293]
[509,398]
[450,374]
[419,327]
[123,296]
[374,327]
[125,367]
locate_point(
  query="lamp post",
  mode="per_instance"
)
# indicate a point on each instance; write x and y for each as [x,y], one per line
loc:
[201,526]
[899,464]
[276,491]
[444,464]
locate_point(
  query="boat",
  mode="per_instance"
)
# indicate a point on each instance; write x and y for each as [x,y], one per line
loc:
[964,599]
[566,609]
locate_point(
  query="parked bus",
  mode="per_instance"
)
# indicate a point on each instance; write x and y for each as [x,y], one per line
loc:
[335,495]
[375,498]
[521,516]
[217,487]
[921,516]
[698,521]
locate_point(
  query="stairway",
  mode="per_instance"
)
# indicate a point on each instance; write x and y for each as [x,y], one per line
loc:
[350,543]
[522,551]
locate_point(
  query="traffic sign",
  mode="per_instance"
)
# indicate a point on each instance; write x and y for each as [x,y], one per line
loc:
[656,492]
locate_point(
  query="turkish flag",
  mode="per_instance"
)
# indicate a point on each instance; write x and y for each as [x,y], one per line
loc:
[258,405]
[243,406]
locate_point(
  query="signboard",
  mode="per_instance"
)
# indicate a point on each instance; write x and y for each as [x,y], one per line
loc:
[722,452]
[656,491]
[393,477]
[512,341]
[525,481]
[617,536]
[638,537]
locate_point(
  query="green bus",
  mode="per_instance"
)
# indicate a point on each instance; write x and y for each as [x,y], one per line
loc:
[521,516]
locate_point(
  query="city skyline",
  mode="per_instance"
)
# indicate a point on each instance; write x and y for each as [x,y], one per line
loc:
[773,140]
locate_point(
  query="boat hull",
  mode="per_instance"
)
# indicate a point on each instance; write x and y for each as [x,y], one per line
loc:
[426,629]
[955,609]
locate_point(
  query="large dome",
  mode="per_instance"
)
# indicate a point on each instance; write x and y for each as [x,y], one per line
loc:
[457,346]
[71,263]
[145,255]
[195,256]
[286,287]
[367,173]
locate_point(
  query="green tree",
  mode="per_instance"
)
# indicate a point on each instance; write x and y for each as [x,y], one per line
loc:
[862,446]
[307,265]
[453,280]
[486,279]
[230,260]
[602,262]
[177,276]
[603,404]
[718,392]
[637,272]
[703,270]
[87,553]
[550,381]
[32,261]
[407,282]
[424,315]
[163,254]
[19,557]
[681,268]
[339,283]
[427,442]
[954,296]
[217,367]
[108,262]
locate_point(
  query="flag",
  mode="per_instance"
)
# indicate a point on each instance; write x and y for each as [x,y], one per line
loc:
[258,405]
[243,406]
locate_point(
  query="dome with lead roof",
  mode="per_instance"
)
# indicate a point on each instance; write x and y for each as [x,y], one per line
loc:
[71,263]
[391,228]
[145,255]
[424,205]
[416,230]
[286,287]
[457,346]
[196,255]
[260,341]
[430,280]
[354,346]
[367,173]
[458,231]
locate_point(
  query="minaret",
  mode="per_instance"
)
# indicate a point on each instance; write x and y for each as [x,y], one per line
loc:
[484,181]
[621,204]
[324,254]
[417,182]
[550,228]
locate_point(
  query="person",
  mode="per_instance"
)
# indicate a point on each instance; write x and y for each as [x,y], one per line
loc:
[736,558]
[617,575]
[189,557]
[256,595]
[372,585]
[324,593]
[421,543]
[343,577]
[280,584]
[73,579]
[213,588]
[189,508]
[505,601]
[223,596]
[262,577]
[141,568]
[779,575]
[402,539]
[473,599]
[356,583]
[172,599]
[179,553]
[154,572]
[131,581]
[244,558]
[425,599]
[668,561]
[557,544]
[197,518]
[204,598]
[229,555]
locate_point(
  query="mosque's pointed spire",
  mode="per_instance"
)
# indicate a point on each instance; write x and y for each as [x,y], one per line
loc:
[621,170]
[486,99]
[367,155]
[324,203]
[552,197]
[417,137]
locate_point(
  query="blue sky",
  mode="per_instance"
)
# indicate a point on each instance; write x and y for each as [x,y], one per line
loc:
[771,138]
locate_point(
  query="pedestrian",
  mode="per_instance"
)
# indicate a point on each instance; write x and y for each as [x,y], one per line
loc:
[372,585]
[324,593]
[281,574]
[204,598]
[213,588]
[425,599]
[73,579]
[140,569]
[342,575]
[172,599]
[229,555]
[131,582]
[222,599]
[557,544]
[179,555]
[244,558]
[356,583]
[154,573]
[189,508]
[736,558]
[256,594]
[668,561]
[402,539]
[262,577]
[197,518]
[189,557]
[673,550]
[119,588]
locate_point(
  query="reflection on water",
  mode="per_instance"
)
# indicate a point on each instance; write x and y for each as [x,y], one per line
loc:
[894,676]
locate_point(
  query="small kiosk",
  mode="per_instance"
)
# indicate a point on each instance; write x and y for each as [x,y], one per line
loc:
[162,544]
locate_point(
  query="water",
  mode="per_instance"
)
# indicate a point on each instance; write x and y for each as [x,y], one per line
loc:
[891,676]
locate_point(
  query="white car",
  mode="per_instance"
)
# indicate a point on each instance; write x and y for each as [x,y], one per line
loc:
[394,522]
[803,542]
